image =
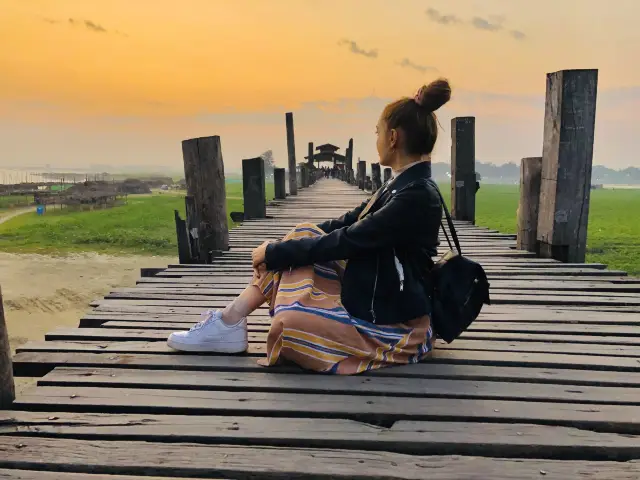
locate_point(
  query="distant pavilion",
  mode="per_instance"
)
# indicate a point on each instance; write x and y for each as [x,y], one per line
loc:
[328,153]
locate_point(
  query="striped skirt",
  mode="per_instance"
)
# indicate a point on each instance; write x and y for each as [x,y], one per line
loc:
[311,328]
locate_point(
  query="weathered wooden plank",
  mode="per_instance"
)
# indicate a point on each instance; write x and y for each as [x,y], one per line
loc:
[493,313]
[259,348]
[120,306]
[337,385]
[499,297]
[368,408]
[422,438]
[187,459]
[14,474]
[243,280]
[503,271]
[485,326]
[478,366]
[66,333]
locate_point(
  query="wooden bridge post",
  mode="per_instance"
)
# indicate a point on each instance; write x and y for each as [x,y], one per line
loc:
[204,177]
[530,177]
[349,162]
[463,169]
[376,181]
[291,150]
[253,188]
[311,165]
[304,175]
[567,154]
[310,154]
[362,172]
[7,387]
[387,174]
[279,183]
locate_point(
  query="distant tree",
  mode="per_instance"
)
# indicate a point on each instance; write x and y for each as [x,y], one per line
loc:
[269,163]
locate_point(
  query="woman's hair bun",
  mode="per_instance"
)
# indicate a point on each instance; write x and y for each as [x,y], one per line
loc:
[431,97]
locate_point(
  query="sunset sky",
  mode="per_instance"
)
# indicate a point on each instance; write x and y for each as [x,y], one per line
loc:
[122,82]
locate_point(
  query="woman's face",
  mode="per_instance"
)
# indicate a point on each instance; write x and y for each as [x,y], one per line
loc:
[385,142]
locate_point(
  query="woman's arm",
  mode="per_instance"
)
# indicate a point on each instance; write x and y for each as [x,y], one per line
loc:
[346,220]
[396,223]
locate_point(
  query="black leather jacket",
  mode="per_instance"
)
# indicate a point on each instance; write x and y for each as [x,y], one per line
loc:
[402,224]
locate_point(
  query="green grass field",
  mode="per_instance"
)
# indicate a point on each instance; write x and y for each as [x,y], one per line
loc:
[146,226]
[13,201]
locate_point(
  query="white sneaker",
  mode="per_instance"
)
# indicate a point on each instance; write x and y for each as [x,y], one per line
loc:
[212,335]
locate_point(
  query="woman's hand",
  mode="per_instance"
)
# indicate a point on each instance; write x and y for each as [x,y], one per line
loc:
[258,256]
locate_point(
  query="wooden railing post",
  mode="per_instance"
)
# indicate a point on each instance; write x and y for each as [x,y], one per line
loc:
[362,172]
[204,177]
[253,188]
[387,174]
[567,154]
[310,154]
[7,387]
[291,150]
[349,162]
[376,180]
[304,175]
[279,183]
[311,165]
[463,170]
[530,177]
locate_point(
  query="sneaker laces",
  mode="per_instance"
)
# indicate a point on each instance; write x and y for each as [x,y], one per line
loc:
[209,317]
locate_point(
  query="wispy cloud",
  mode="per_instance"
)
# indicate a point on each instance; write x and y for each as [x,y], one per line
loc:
[492,23]
[94,26]
[357,50]
[484,24]
[87,24]
[406,63]
[438,17]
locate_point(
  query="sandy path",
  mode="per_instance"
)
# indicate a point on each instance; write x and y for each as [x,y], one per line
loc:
[6,216]
[41,292]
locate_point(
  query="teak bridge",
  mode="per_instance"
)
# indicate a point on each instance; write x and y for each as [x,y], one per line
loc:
[545,384]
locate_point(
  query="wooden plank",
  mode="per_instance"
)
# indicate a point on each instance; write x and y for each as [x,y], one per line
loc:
[121,307]
[418,438]
[188,459]
[243,280]
[369,408]
[471,366]
[493,313]
[13,474]
[336,385]
[65,333]
[499,297]
[258,348]
[504,327]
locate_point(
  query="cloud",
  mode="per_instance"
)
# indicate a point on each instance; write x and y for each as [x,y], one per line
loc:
[94,26]
[88,24]
[437,17]
[357,50]
[493,23]
[406,63]
[484,24]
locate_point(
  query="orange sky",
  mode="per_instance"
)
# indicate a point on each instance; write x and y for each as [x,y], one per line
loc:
[121,82]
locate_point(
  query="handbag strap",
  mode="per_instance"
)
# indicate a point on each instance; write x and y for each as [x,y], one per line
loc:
[452,229]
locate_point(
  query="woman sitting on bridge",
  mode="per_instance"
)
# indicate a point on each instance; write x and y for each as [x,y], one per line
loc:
[349,295]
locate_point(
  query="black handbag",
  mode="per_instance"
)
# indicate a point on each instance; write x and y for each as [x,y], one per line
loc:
[459,287]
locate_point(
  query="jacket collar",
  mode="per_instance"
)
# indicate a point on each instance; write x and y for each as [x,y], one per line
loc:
[417,171]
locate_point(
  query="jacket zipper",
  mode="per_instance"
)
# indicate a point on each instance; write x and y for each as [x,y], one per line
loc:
[399,269]
[375,287]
